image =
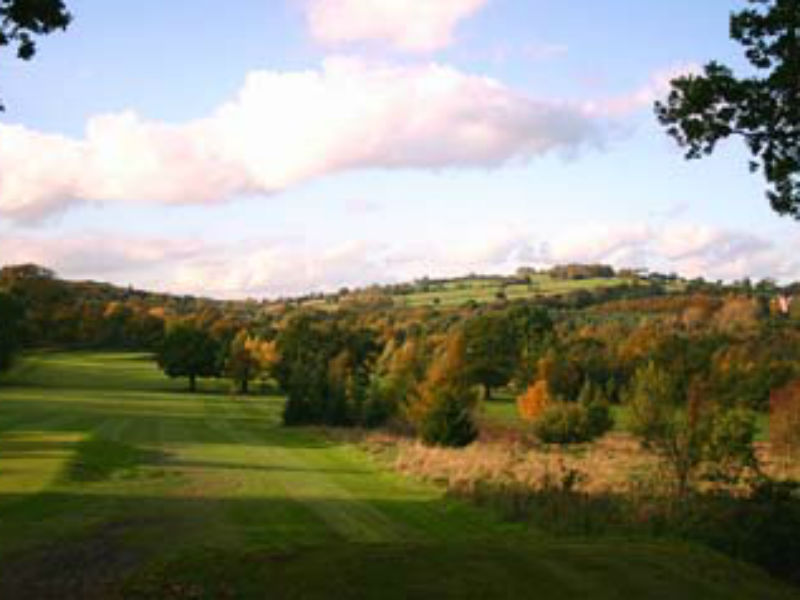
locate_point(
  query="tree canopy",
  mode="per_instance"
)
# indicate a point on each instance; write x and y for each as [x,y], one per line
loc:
[10,320]
[762,108]
[21,20]
[188,351]
[492,348]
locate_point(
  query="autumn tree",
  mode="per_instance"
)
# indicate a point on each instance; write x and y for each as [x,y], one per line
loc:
[188,351]
[762,109]
[242,363]
[445,401]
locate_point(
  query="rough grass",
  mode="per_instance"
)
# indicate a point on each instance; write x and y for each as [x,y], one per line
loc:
[114,482]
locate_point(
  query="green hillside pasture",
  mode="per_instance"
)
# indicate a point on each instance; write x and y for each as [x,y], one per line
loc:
[485,290]
[114,482]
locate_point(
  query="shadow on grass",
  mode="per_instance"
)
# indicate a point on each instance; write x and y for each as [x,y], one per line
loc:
[98,459]
[763,529]
[157,547]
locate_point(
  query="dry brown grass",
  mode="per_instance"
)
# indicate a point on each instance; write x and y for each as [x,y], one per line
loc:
[614,464]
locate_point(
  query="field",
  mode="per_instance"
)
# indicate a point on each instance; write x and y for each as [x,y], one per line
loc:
[457,292]
[114,482]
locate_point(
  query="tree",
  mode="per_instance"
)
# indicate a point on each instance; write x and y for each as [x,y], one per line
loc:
[534,328]
[492,349]
[658,416]
[10,319]
[21,20]
[243,362]
[687,431]
[188,351]
[445,403]
[763,109]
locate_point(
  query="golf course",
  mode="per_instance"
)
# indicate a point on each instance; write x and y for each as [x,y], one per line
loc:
[116,482]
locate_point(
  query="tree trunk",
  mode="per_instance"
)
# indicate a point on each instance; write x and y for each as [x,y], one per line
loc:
[487,392]
[244,385]
[192,382]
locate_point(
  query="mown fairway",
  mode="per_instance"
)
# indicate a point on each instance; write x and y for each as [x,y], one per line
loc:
[116,483]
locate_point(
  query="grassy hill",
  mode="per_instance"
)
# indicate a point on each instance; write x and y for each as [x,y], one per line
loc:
[114,483]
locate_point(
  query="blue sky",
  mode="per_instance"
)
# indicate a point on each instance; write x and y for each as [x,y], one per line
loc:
[283,146]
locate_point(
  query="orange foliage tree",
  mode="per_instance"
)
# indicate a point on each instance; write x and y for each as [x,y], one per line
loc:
[532,403]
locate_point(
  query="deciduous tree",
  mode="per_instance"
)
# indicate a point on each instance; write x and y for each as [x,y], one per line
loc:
[188,351]
[762,109]
[22,20]
[10,318]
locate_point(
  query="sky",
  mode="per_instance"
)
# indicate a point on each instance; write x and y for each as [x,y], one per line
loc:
[274,147]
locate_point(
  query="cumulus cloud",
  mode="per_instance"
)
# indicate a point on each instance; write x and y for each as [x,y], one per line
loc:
[408,25]
[271,267]
[284,128]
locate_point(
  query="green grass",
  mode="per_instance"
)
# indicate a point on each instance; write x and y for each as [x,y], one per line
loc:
[115,482]
[455,293]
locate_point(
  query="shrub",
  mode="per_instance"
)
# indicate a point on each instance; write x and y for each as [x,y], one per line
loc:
[598,413]
[561,423]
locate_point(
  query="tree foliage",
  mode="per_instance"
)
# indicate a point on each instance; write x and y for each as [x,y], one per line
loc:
[188,351]
[492,349]
[443,412]
[11,313]
[325,368]
[22,20]
[763,109]
[242,363]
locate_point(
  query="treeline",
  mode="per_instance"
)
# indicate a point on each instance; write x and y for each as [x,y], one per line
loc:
[88,314]
[369,362]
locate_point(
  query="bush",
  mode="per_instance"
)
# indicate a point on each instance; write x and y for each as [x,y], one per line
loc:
[564,423]
[598,413]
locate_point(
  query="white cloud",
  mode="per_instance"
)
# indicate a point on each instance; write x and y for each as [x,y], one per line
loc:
[409,25]
[291,266]
[284,128]
[656,88]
